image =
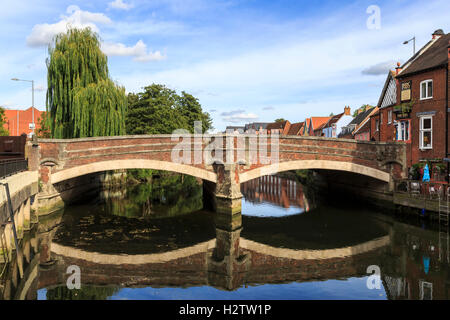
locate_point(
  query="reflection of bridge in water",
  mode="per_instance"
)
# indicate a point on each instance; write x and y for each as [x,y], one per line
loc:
[276,190]
[229,262]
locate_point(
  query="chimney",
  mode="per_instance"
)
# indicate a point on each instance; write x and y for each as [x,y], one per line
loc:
[398,69]
[347,111]
[437,34]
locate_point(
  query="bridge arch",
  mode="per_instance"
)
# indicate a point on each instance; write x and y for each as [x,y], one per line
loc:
[314,164]
[131,164]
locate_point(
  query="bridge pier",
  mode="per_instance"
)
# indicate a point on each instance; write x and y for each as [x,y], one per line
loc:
[224,197]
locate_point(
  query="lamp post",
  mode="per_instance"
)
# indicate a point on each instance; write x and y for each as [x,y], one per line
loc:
[32,101]
[414,44]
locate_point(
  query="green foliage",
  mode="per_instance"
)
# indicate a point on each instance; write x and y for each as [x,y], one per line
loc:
[279,120]
[44,130]
[363,108]
[82,100]
[3,131]
[160,110]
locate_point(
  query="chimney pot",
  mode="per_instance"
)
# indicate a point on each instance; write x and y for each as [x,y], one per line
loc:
[437,34]
[398,69]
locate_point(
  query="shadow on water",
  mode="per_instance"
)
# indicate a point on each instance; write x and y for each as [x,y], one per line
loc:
[154,242]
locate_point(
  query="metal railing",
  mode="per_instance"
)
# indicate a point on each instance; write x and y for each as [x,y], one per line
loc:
[426,190]
[12,166]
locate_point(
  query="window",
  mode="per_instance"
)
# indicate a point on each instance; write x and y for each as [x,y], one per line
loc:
[426,290]
[402,131]
[426,132]
[426,89]
[389,116]
[377,125]
[381,117]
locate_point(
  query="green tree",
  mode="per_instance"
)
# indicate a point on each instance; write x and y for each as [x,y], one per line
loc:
[363,108]
[280,120]
[160,110]
[44,130]
[82,100]
[3,131]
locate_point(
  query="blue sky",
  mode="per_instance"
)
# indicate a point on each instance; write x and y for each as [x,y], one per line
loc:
[246,60]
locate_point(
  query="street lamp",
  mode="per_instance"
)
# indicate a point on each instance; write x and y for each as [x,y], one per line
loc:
[414,44]
[32,100]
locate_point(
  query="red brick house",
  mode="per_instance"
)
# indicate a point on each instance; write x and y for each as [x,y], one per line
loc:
[18,122]
[420,114]
[423,94]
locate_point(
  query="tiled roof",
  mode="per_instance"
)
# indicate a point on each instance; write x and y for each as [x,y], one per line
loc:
[295,128]
[360,117]
[318,122]
[427,58]
[276,125]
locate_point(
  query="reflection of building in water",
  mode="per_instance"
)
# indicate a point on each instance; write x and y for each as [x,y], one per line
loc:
[422,271]
[276,190]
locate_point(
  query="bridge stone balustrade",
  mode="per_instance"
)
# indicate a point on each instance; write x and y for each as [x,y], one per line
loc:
[235,159]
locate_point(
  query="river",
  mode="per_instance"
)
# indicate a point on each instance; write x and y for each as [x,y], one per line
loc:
[154,241]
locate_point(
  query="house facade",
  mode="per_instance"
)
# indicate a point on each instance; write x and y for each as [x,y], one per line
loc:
[419,116]
[333,128]
[17,122]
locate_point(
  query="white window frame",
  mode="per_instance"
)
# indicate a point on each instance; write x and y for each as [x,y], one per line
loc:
[421,131]
[389,116]
[426,88]
[402,133]
[377,125]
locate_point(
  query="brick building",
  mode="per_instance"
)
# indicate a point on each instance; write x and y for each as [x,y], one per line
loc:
[419,115]
[18,122]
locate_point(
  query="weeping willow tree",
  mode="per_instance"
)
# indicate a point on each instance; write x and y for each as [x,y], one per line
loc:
[82,100]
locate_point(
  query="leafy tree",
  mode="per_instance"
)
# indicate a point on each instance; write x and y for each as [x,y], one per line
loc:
[44,130]
[3,131]
[82,100]
[160,110]
[280,120]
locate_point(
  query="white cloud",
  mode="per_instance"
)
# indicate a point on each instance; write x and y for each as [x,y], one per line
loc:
[119,4]
[381,68]
[240,117]
[138,51]
[42,34]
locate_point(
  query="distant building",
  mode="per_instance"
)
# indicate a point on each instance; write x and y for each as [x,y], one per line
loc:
[359,127]
[334,126]
[255,127]
[314,123]
[234,129]
[18,122]
[281,127]
[296,129]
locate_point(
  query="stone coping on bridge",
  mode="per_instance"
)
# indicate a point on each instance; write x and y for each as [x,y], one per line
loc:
[117,259]
[156,136]
[17,183]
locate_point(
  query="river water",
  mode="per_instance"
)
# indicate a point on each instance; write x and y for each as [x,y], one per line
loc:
[154,241]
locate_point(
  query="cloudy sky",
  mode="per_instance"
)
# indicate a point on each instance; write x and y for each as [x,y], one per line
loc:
[246,60]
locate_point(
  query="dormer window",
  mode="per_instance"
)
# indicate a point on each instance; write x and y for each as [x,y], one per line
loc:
[426,89]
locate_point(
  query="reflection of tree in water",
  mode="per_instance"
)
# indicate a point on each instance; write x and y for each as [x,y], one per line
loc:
[167,196]
[85,293]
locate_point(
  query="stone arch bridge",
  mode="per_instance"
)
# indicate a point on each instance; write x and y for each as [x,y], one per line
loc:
[222,161]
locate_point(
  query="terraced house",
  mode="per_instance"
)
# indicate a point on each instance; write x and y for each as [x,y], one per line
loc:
[420,114]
